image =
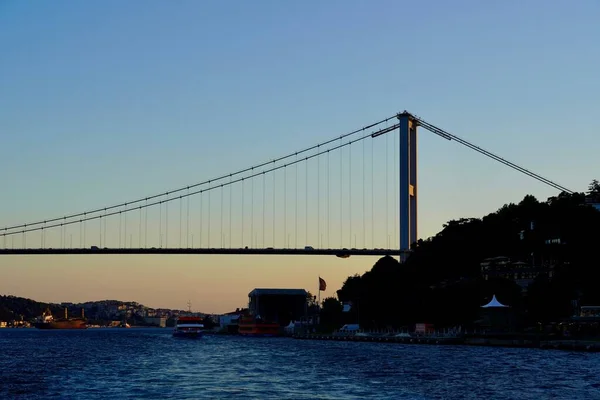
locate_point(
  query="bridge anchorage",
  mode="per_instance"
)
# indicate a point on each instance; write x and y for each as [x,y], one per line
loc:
[266,209]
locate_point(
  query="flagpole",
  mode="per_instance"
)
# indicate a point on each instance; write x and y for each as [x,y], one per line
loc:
[319,290]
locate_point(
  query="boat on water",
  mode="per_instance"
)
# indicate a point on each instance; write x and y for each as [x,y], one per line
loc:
[188,326]
[49,322]
[255,326]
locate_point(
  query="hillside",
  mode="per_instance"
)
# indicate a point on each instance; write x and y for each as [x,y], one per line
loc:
[12,307]
[441,281]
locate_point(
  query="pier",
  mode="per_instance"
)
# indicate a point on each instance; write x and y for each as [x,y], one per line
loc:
[513,341]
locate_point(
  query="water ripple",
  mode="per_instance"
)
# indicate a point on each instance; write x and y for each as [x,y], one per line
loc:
[150,364]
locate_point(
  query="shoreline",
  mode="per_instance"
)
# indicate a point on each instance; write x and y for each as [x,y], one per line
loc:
[559,344]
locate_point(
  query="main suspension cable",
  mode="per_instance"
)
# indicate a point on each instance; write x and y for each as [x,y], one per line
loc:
[30,228]
[242,171]
[440,132]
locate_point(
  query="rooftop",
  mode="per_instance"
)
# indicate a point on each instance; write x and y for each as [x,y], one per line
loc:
[277,292]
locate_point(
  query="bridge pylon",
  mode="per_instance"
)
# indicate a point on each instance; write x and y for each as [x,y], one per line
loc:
[408,182]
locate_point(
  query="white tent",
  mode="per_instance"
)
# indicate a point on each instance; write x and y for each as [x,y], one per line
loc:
[290,327]
[493,303]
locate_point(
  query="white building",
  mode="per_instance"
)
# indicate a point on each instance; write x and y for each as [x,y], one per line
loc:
[158,321]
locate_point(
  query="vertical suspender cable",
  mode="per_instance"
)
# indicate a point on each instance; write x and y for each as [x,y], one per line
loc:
[230,208]
[296,203]
[263,210]
[160,224]
[372,196]
[120,228]
[387,189]
[306,201]
[146,225]
[201,216]
[222,244]
[285,244]
[209,218]
[167,222]
[328,205]
[140,230]
[252,244]
[243,203]
[341,192]
[187,224]
[363,197]
[318,198]
[396,170]
[273,232]
[180,222]
[125,234]
[350,194]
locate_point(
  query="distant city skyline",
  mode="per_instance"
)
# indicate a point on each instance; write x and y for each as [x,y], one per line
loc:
[100,105]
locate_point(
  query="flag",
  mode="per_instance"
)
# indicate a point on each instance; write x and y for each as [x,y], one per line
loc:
[322,284]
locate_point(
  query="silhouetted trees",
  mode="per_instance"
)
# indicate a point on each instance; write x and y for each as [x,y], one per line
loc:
[441,281]
[17,308]
[331,314]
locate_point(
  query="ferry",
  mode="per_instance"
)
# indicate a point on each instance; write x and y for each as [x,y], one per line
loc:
[256,326]
[188,327]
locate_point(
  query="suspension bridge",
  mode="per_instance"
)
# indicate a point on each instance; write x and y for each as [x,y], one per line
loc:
[354,194]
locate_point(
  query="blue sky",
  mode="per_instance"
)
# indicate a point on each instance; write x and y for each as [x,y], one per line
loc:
[104,102]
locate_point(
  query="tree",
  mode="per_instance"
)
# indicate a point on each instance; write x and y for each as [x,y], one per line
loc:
[441,281]
[311,299]
[331,314]
[594,190]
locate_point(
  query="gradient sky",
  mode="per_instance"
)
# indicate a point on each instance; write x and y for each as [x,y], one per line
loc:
[109,101]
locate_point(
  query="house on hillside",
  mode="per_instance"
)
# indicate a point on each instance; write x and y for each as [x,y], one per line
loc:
[519,272]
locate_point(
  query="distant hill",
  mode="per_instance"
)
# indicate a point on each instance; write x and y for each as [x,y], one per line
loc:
[12,307]
[17,308]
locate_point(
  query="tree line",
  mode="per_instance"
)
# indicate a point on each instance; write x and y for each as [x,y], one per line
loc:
[441,281]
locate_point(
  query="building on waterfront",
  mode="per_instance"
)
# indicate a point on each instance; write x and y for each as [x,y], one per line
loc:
[157,321]
[279,305]
[519,272]
[593,201]
[591,313]
[228,322]
[584,322]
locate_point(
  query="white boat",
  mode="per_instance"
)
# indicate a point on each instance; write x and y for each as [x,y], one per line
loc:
[188,327]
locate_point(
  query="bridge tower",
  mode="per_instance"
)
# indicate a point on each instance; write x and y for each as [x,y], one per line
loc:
[408,182]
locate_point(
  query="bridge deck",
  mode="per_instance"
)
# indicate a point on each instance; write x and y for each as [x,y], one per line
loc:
[244,251]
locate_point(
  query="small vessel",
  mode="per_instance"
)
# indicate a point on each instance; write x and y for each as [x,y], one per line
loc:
[255,326]
[49,322]
[189,326]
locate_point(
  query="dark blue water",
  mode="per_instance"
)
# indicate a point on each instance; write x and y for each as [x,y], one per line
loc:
[150,364]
